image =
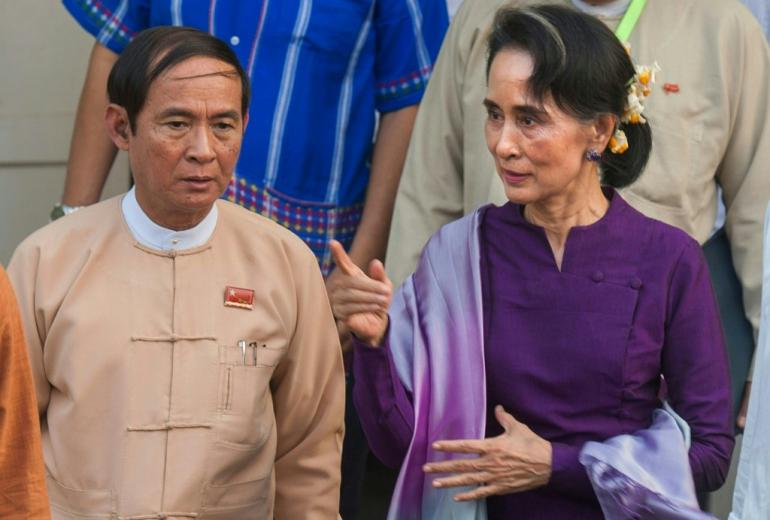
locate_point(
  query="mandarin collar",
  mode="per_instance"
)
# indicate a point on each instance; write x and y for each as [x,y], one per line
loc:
[151,235]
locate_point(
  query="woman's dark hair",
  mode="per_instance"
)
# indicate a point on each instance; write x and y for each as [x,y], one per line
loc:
[154,51]
[585,69]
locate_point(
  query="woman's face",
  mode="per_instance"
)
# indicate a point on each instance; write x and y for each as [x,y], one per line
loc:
[539,150]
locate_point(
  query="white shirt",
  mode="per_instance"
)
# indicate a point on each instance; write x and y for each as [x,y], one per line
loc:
[150,234]
[751,499]
[608,10]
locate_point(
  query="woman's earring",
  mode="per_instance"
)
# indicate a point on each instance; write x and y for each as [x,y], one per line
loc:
[593,156]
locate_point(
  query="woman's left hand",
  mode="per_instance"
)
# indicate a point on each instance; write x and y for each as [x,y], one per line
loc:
[517,460]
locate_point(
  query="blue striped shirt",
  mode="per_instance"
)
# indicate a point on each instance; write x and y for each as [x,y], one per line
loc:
[320,71]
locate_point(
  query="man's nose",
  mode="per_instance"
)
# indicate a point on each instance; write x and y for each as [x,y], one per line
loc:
[201,147]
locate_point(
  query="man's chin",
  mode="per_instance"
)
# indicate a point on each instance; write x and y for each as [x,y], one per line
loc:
[191,205]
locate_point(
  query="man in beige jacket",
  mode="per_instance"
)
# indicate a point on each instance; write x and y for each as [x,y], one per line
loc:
[185,358]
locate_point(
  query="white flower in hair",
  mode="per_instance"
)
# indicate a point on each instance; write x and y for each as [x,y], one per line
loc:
[638,89]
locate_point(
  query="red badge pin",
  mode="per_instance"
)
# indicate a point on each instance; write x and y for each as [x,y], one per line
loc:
[671,88]
[238,297]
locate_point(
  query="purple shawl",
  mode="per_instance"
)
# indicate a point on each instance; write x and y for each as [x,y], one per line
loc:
[436,338]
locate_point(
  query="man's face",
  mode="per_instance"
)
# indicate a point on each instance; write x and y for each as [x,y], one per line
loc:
[187,139]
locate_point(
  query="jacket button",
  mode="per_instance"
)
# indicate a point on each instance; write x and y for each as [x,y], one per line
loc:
[635,283]
[598,276]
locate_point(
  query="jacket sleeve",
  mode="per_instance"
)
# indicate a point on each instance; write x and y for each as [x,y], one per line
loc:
[308,390]
[22,477]
[743,173]
[695,368]
[431,190]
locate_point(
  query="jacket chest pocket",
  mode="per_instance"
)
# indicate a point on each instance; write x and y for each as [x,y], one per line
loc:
[245,405]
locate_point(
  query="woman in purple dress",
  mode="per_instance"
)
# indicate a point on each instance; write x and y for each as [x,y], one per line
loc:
[533,328]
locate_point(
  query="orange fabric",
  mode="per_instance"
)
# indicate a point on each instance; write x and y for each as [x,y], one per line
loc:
[22,478]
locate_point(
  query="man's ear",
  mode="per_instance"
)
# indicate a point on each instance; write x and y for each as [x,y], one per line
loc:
[601,130]
[118,128]
[245,121]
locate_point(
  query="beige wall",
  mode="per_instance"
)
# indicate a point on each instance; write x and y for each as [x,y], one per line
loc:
[43,58]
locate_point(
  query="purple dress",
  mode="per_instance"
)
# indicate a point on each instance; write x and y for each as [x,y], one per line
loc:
[577,354]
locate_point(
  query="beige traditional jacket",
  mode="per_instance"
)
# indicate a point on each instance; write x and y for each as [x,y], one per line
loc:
[150,408]
[716,128]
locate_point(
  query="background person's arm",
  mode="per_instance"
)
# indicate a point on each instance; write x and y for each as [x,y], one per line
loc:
[743,173]
[91,150]
[112,24]
[430,193]
[387,162]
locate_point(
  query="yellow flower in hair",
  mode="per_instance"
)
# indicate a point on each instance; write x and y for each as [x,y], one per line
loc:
[618,142]
[637,91]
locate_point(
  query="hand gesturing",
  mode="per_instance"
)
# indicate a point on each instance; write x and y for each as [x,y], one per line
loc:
[358,300]
[515,461]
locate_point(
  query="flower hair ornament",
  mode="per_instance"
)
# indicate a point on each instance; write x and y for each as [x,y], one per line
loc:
[637,91]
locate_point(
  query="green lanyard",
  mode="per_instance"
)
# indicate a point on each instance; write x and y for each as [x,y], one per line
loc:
[628,22]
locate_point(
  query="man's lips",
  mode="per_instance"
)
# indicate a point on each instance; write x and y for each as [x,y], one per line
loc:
[198,181]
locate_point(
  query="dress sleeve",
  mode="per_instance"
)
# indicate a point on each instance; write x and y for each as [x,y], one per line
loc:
[113,23]
[384,406]
[568,476]
[430,193]
[409,35]
[308,390]
[695,368]
[22,480]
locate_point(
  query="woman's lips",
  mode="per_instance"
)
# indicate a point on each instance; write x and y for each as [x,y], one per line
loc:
[512,177]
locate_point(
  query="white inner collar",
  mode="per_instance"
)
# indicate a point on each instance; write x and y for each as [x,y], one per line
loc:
[608,10]
[151,235]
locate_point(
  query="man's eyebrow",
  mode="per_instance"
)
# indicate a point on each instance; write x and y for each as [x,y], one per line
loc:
[175,112]
[226,114]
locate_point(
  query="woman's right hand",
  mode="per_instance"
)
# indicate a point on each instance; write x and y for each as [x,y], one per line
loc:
[358,300]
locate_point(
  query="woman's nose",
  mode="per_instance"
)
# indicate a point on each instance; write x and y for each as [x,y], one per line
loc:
[508,145]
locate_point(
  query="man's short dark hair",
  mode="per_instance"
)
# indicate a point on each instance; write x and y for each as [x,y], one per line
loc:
[154,51]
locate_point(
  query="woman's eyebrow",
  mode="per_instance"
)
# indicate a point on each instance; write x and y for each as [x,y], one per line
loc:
[522,109]
[531,110]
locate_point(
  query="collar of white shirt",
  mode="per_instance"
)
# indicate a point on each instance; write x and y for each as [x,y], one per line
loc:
[151,235]
[608,10]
